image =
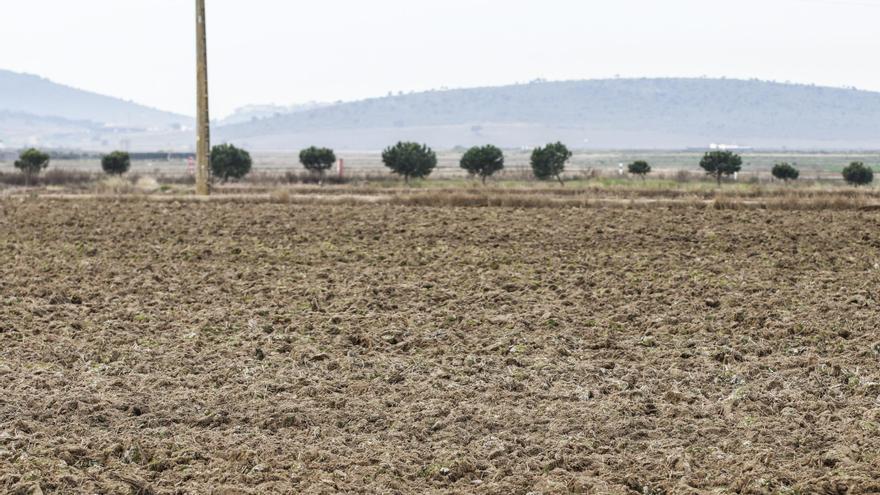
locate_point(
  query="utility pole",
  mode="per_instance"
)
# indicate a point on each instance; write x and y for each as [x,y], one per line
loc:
[203,139]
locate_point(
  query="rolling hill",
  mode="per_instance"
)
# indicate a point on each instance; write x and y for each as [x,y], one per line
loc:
[596,114]
[37,112]
[616,113]
[28,94]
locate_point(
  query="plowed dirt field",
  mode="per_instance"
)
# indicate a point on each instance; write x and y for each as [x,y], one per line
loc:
[228,347]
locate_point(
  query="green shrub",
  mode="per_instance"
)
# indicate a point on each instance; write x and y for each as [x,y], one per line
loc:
[483,161]
[116,163]
[640,168]
[31,162]
[229,162]
[718,163]
[785,171]
[857,174]
[549,161]
[410,160]
[317,160]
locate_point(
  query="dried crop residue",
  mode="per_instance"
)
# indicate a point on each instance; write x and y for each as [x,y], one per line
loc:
[227,347]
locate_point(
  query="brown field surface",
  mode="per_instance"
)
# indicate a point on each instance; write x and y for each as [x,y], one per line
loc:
[237,347]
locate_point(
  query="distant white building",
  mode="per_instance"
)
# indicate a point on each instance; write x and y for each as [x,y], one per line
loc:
[728,147]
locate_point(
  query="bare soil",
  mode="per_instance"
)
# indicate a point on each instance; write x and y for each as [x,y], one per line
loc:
[233,348]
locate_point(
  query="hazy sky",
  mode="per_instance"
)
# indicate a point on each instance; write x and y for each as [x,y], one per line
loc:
[286,51]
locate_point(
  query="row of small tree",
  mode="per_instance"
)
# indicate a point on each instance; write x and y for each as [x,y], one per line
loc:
[726,163]
[548,162]
[414,160]
[33,161]
[718,163]
[228,162]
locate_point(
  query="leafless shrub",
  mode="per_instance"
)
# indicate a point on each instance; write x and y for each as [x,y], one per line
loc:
[176,180]
[52,177]
[115,185]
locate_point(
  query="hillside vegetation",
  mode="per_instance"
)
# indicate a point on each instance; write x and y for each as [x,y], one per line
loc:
[664,113]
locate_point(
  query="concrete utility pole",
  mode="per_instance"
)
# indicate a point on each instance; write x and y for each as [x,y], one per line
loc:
[203,139]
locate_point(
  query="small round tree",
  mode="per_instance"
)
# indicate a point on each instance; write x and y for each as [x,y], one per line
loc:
[785,171]
[410,160]
[549,161]
[116,163]
[317,160]
[718,163]
[229,162]
[483,161]
[31,162]
[640,168]
[857,174]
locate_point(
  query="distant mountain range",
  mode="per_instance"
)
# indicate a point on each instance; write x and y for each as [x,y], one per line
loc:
[598,114]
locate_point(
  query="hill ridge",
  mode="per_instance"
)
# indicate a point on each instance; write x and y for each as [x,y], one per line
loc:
[39,96]
[633,112]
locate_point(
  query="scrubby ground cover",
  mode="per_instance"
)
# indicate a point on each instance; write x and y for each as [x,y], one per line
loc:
[234,347]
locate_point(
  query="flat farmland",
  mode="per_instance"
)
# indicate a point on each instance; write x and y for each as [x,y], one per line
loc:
[584,163]
[236,347]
